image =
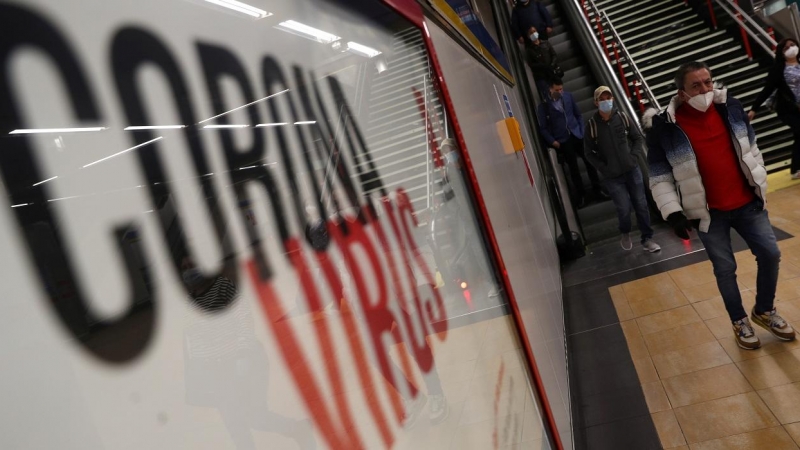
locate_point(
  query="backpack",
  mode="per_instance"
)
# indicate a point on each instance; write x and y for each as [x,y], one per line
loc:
[593,126]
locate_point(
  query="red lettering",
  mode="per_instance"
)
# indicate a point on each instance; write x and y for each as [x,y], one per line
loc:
[378,316]
[354,339]
[338,436]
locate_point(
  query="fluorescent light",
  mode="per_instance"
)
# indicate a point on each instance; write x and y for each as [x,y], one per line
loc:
[20,204]
[278,124]
[45,181]
[62,198]
[125,151]
[154,127]
[245,106]
[243,8]
[363,50]
[306,122]
[148,211]
[212,127]
[55,130]
[307,32]
[247,167]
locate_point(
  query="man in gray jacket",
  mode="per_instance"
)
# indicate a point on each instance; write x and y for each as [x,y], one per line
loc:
[611,143]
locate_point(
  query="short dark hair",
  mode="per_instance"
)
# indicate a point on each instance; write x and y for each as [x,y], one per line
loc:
[556,82]
[685,68]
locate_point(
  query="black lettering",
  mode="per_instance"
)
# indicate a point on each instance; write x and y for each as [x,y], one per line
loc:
[118,340]
[131,50]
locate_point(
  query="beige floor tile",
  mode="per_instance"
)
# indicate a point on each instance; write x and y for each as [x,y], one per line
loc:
[724,417]
[636,344]
[646,370]
[788,289]
[715,307]
[669,432]
[788,271]
[720,327]
[702,292]
[620,303]
[784,401]
[655,397]
[690,359]
[786,243]
[747,280]
[694,275]
[772,370]
[677,338]
[794,431]
[649,287]
[705,385]
[653,305]
[480,436]
[789,309]
[745,262]
[711,308]
[667,319]
[775,438]
[680,447]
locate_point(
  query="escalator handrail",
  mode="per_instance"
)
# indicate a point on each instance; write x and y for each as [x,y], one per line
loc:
[758,33]
[627,56]
[597,57]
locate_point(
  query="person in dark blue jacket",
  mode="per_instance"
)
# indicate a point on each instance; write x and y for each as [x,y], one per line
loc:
[561,126]
[527,14]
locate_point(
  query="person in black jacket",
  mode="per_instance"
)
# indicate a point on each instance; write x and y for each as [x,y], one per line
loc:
[529,14]
[611,143]
[784,81]
[543,61]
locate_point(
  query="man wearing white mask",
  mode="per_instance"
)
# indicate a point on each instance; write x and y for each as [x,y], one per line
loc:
[706,172]
[611,143]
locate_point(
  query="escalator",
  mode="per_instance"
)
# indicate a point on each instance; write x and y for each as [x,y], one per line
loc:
[662,34]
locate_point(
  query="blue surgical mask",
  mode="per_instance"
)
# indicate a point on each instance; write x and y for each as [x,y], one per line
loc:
[192,277]
[534,36]
[606,106]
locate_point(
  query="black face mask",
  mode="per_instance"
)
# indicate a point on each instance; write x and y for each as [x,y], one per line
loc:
[556,95]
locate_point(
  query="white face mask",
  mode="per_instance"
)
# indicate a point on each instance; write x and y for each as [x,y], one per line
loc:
[702,102]
[791,52]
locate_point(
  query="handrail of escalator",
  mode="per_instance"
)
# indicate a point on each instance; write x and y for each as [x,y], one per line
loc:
[651,98]
[744,20]
[639,83]
[596,55]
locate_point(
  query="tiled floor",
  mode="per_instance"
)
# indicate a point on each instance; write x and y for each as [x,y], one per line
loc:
[701,390]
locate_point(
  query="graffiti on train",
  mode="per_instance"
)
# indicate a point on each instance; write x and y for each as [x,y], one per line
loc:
[371,234]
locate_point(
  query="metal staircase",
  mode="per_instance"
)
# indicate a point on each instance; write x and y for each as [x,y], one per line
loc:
[662,34]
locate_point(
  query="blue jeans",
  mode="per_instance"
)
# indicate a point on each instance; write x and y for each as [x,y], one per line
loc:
[752,223]
[627,192]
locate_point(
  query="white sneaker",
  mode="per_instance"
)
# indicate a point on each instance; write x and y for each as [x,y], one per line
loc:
[796,175]
[651,246]
[625,241]
[438,408]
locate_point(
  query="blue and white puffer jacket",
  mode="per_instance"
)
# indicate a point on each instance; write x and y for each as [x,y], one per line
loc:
[674,175]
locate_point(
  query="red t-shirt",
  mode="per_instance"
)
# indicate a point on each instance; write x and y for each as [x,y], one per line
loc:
[725,183]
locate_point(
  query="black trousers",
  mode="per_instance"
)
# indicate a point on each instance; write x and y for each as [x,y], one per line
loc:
[792,120]
[569,152]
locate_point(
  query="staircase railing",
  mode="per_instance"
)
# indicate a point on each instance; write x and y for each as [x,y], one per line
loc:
[608,34]
[748,27]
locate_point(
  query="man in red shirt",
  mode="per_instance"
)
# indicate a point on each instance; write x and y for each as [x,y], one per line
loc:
[706,171]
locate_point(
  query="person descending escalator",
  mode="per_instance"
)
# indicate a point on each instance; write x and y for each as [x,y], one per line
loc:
[529,14]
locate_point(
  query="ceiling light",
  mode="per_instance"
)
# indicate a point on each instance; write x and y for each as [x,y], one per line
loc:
[45,181]
[363,50]
[243,8]
[124,151]
[225,126]
[306,122]
[154,127]
[54,130]
[278,124]
[307,32]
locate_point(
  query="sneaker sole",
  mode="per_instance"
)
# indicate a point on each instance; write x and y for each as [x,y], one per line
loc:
[758,322]
[653,251]
[747,348]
